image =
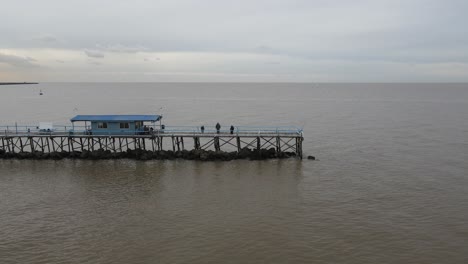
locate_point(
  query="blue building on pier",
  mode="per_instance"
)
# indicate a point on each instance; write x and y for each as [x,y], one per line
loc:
[118,124]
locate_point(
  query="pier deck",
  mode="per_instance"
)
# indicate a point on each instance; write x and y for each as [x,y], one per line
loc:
[17,139]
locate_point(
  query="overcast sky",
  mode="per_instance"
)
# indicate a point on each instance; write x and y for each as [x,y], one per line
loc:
[217,40]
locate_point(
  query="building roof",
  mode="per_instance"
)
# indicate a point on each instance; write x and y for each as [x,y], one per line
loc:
[116,118]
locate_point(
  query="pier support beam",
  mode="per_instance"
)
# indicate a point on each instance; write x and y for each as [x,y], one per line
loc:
[196,143]
[285,144]
[299,147]
[216,144]
[173,144]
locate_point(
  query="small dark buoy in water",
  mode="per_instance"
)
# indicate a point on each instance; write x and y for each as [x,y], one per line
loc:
[311,157]
[40,92]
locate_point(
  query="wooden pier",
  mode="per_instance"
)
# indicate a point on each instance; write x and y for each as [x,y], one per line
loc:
[17,83]
[122,134]
[50,142]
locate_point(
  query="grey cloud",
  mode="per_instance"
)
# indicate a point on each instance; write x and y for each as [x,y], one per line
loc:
[94,54]
[99,50]
[96,63]
[263,49]
[47,39]
[151,59]
[119,48]
[17,61]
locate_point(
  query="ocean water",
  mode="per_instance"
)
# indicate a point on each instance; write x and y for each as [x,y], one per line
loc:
[390,185]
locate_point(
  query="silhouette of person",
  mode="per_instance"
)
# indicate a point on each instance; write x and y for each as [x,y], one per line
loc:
[232,129]
[202,128]
[218,127]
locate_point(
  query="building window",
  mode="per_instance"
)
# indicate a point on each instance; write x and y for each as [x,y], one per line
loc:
[102,125]
[138,124]
[124,125]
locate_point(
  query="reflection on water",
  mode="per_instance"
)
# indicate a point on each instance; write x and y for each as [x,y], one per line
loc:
[167,210]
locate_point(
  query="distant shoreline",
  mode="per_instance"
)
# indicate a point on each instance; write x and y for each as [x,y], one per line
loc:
[16,83]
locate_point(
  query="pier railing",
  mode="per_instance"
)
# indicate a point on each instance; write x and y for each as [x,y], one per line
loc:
[60,130]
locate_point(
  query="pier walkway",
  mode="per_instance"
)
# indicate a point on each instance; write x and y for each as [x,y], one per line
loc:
[17,139]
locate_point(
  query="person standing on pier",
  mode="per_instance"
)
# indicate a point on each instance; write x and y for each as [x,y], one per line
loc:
[202,128]
[218,127]
[232,129]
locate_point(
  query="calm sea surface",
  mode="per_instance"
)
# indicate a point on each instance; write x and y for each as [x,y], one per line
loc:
[390,186]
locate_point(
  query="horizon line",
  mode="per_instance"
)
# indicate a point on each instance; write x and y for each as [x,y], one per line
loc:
[239,82]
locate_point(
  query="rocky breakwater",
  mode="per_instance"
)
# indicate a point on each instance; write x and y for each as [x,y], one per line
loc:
[139,154]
